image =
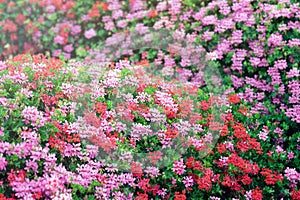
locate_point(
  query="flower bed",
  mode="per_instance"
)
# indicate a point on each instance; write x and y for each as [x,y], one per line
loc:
[57,137]
[254,44]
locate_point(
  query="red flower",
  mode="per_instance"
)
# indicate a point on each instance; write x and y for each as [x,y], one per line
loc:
[234,99]
[107,144]
[152,13]
[171,133]
[20,19]
[224,131]
[205,182]
[58,4]
[94,12]
[179,196]
[101,108]
[189,162]
[295,194]
[170,113]
[243,146]
[154,156]
[91,118]
[13,37]
[144,184]
[271,177]
[154,189]
[136,169]
[257,194]
[70,15]
[240,131]
[246,180]
[226,181]
[37,195]
[141,196]
[16,176]
[243,110]
[204,105]
[10,26]
[215,126]
[195,117]
[221,148]
[104,6]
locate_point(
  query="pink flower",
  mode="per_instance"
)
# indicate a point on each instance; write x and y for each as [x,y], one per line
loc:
[290,155]
[188,181]
[179,167]
[90,33]
[75,30]
[58,40]
[152,171]
[263,135]
[1,131]
[293,73]
[3,163]
[68,48]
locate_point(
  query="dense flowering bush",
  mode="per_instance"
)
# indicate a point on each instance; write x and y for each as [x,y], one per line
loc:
[57,136]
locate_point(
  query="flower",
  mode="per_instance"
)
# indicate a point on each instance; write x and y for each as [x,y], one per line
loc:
[178,167]
[179,196]
[257,194]
[1,131]
[188,181]
[75,30]
[3,163]
[90,33]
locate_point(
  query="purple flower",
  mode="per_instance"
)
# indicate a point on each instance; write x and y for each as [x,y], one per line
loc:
[90,33]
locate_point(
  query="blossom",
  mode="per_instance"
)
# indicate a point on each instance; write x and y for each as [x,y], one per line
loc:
[68,48]
[263,134]
[212,56]
[1,131]
[179,196]
[214,198]
[3,163]
[257,194]
[152,171]
[31,113]
[290,155]
[59,40]
[178,167]
[188,181]
[90,33]
[139,130]
[292,175]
